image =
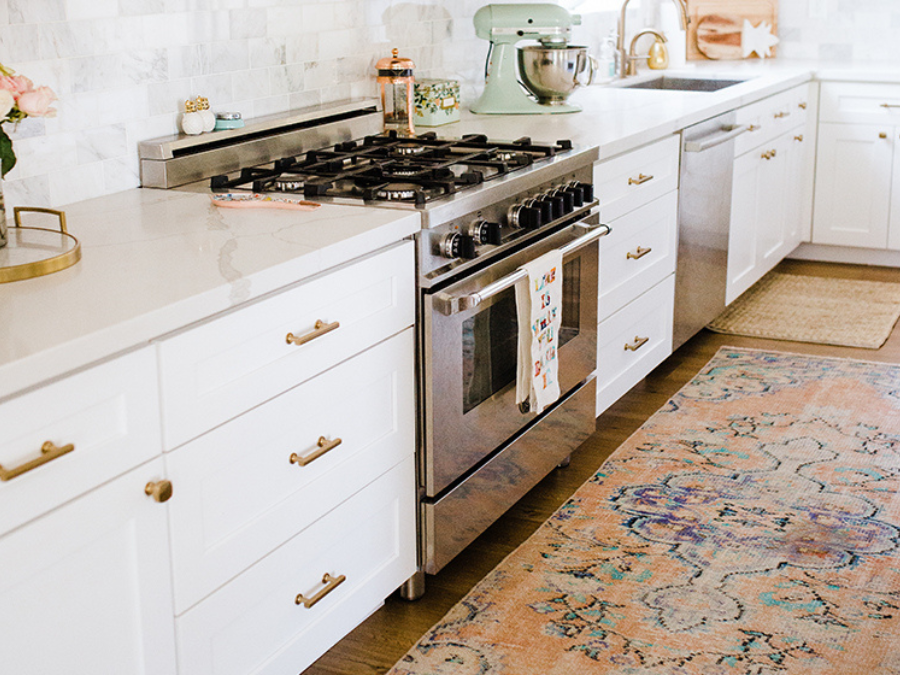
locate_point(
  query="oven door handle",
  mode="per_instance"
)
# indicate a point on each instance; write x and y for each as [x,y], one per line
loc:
[448,305]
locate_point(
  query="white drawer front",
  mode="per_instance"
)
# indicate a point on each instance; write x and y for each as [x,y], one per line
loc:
[109,414]
[239,494]
[645,325]
[220,369]
[86,588]
[638,253]
[770,118]
[636,178]
[859,103]
[253,625]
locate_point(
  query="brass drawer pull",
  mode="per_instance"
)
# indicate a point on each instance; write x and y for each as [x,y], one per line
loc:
[769,154]
[324,445]
[890,105]
[160,491]
[802,105]
[330,584]
[799,137]
[49,452]
[882,135]
[754,127]
[641,179]
[637,344]
[638,254]
[783,113]
[318,330]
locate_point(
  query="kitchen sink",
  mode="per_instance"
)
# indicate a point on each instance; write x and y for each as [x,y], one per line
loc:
[682,84]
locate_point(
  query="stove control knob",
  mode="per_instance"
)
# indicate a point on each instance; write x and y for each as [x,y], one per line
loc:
[484,232]
[546,207]
[577,194]
[568,199]
[456,245]
[525,215]
[556,204]
[587,190]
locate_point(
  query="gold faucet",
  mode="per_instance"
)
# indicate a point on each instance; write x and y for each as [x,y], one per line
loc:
[626,63]
[631,66]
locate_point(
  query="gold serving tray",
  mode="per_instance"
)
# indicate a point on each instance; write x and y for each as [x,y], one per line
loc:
[35,251]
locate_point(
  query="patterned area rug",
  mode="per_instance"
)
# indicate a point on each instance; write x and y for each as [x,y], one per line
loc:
[824,310]
[748,527]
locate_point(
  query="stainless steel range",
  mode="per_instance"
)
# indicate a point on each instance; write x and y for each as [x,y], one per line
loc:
[487,208]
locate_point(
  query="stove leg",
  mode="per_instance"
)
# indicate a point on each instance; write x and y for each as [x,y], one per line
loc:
[414,587]
[563,464]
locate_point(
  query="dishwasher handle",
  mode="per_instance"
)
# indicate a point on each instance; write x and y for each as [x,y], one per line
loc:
[711,142]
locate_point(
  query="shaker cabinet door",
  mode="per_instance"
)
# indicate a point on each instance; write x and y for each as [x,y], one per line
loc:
[853,185]
[86,588]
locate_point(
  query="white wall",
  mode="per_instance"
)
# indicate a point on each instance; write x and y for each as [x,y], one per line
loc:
[123,68]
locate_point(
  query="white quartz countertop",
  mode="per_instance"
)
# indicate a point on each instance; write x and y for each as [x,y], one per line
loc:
[154,261]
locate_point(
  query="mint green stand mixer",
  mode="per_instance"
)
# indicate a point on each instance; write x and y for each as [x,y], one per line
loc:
[505,26]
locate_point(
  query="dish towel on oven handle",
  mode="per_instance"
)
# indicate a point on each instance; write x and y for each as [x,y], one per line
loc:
[539,311]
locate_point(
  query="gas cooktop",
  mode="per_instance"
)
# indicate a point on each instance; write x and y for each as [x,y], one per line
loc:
[391,168]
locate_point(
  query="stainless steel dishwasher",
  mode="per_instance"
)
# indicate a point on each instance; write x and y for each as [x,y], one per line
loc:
[704,214]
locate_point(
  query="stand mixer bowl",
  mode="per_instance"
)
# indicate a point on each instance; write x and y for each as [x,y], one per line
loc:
[551,73]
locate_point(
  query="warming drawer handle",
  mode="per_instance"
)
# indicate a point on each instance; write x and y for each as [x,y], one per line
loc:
[318,331]
[637,344]
[448,305]
[707,143]
[330,584]
[640,180]
[638,254]
[323,445]
[49,452]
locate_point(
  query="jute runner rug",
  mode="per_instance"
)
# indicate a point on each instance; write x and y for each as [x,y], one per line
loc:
[750,526]
[826,310]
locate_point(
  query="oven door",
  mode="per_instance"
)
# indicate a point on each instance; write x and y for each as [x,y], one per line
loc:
[470,338]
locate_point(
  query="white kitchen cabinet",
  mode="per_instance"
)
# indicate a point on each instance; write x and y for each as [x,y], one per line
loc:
[86,588]
[638,194]
[771,189]
[857,194]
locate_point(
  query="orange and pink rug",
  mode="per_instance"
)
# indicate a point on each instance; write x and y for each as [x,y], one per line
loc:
[749,527]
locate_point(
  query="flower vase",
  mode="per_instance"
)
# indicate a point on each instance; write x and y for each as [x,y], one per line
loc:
[2,217]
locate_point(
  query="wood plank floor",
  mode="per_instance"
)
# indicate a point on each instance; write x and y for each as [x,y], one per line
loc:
[386,636]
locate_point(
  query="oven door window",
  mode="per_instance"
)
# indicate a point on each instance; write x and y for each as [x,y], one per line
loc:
[490,339]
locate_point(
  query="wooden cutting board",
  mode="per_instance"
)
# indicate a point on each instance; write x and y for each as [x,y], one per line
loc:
[715,31]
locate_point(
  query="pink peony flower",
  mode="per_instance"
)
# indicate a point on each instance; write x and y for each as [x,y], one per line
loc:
[36,102]
[16,84]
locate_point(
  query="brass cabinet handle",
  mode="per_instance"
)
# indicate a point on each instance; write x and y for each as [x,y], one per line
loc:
[161,491]
[769,154]
[638,254]
[754,127]
[783,113]
[49,452]
[639,180]
[637,344]
[330,584]
[318,331]
[324,445]
[890,105]
[802,105]
[882,135]
[799,137]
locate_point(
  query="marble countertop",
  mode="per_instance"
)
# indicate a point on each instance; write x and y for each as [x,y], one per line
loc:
[154,261]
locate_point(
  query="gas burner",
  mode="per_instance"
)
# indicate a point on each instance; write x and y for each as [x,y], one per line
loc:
[511,156]
[407,149]
[397,191]
[288,183]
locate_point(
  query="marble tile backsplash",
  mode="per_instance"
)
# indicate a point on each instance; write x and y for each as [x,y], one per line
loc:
[123,68]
